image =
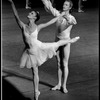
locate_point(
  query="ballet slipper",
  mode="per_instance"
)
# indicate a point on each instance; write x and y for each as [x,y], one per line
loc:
[65,90]
[57,87]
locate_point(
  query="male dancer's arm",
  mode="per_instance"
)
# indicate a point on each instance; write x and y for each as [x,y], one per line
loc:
[49,7]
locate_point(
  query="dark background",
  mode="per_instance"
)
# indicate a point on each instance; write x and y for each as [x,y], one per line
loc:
[59,3]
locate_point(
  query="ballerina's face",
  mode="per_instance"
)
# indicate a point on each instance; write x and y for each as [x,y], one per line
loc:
[66,6]
[32,15]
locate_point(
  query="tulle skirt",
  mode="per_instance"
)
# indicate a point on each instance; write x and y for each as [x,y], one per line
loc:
[38,55]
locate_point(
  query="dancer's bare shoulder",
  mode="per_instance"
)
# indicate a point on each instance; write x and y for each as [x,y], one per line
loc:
[72,19]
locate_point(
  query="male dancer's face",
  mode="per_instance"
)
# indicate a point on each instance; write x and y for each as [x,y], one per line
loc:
[66,6]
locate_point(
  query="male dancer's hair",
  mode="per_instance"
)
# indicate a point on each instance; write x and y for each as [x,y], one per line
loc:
[71,3]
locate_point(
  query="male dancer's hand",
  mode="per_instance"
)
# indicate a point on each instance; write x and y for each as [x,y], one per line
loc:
[63,13]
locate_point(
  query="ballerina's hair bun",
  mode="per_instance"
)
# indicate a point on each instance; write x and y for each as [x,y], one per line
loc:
[37,15]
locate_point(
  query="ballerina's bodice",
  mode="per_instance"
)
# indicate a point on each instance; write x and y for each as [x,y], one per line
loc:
[32,39]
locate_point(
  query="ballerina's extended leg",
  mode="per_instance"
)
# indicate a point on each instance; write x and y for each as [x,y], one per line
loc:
[63,42]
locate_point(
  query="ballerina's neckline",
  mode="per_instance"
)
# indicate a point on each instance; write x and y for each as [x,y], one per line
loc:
[30,33]
[33,32]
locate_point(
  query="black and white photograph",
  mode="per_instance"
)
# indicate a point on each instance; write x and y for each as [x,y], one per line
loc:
[49,50]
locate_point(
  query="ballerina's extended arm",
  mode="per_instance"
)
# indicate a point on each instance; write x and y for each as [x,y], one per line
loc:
[20,23]
[49,23]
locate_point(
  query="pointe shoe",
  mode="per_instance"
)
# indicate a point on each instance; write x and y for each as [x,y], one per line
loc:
[37,95]
[57,87]
[75,39]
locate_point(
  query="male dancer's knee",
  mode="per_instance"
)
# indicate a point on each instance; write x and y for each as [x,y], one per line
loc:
[65,63]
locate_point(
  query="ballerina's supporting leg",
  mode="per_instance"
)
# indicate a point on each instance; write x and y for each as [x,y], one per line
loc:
[36,82]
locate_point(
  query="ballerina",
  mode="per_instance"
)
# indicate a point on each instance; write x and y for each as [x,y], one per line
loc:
[36,52]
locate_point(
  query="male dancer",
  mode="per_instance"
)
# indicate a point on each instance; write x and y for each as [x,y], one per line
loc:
[64,26]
